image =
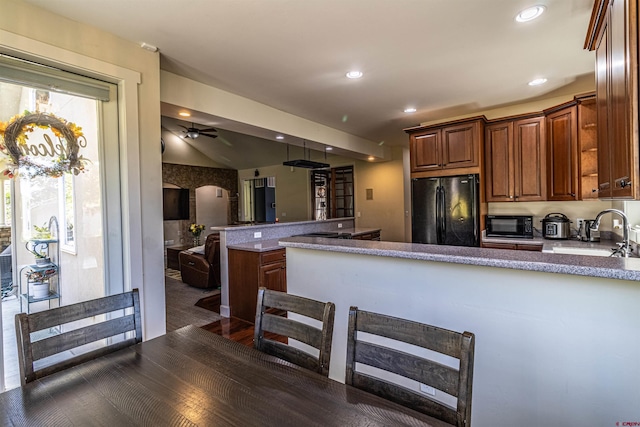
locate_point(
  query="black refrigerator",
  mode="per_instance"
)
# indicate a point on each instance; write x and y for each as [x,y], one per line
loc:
[446,210]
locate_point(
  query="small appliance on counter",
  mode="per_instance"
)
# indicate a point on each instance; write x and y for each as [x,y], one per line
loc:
[585,232]
[556,226]
[518,226]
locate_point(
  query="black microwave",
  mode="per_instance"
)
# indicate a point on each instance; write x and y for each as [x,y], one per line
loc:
[519,226]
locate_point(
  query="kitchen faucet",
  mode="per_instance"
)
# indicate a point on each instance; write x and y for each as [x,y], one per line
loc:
[623,247]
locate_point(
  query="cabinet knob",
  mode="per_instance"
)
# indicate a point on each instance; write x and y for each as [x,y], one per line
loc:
[595,190]
[573,194]
[511,197]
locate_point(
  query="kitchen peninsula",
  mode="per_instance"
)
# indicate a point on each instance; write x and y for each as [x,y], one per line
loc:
[258,245]
[557,339]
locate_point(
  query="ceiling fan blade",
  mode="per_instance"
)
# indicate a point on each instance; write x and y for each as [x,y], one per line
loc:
[210,136]
[208,130]
[186,128]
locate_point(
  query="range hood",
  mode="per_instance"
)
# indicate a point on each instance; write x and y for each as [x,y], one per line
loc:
[304,163]
[308,164]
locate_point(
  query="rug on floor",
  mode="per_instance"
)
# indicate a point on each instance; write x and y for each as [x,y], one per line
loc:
[181,302]
[174,274]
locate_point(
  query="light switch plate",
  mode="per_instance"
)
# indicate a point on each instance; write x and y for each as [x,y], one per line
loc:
[257,235]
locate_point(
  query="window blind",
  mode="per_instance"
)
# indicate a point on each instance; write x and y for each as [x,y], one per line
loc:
[26,73]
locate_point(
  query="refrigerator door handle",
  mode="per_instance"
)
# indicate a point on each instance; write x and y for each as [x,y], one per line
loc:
[438,215]
[442,217]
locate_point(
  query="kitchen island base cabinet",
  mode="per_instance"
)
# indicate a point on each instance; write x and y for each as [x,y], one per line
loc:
[249,270]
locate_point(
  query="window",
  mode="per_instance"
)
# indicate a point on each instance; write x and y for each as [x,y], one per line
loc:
[67,213]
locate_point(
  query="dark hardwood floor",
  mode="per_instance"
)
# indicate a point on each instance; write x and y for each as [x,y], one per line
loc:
[240,330]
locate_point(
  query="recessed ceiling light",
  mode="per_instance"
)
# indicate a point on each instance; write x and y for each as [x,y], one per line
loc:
[279,137]
[354,74]
[329,148]
[371,158]
[530,13]
[410,110]
[184,114]
[537,82]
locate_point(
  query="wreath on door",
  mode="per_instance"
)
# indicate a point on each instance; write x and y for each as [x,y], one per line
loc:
[15,136]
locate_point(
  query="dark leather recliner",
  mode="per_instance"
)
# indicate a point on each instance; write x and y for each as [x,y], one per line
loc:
[202,271]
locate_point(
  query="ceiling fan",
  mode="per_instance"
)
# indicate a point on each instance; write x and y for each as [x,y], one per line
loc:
[193,132]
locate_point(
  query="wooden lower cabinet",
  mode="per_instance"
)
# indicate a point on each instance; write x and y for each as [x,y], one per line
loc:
[250,270]
[534,247]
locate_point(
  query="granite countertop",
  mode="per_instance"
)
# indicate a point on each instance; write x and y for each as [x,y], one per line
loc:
[594,266]
[257,246]
[272,244]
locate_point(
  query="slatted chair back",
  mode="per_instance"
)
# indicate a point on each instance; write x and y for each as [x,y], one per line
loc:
[318,338]
[29,352]
[453,381]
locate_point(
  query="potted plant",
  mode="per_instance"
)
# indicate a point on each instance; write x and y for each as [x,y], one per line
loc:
[40,253]
[42,233]
[38,281]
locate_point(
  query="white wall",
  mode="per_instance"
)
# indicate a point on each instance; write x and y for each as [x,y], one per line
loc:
[386,209]
[551,349]
[211,210]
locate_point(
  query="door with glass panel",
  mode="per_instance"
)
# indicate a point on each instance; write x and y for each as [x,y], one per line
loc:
[59,165]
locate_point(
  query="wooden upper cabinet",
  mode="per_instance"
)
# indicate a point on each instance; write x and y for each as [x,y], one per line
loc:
[515,161]
[499,162]
[588,147]
[460,145]
[444,148]
[613,34]
[562,153]
[530,159]
[425,151]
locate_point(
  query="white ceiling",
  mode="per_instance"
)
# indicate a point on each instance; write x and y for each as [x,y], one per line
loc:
[443,57]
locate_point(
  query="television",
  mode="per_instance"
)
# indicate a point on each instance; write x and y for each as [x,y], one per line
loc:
[175,203]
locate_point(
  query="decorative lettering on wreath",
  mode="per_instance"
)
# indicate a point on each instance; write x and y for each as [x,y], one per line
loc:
[22,154]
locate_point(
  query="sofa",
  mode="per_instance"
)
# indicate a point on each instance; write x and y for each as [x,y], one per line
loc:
[202,270]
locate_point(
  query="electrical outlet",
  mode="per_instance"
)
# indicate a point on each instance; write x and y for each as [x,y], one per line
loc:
[339,225]
[579,223]
[257,235]
[427,389]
